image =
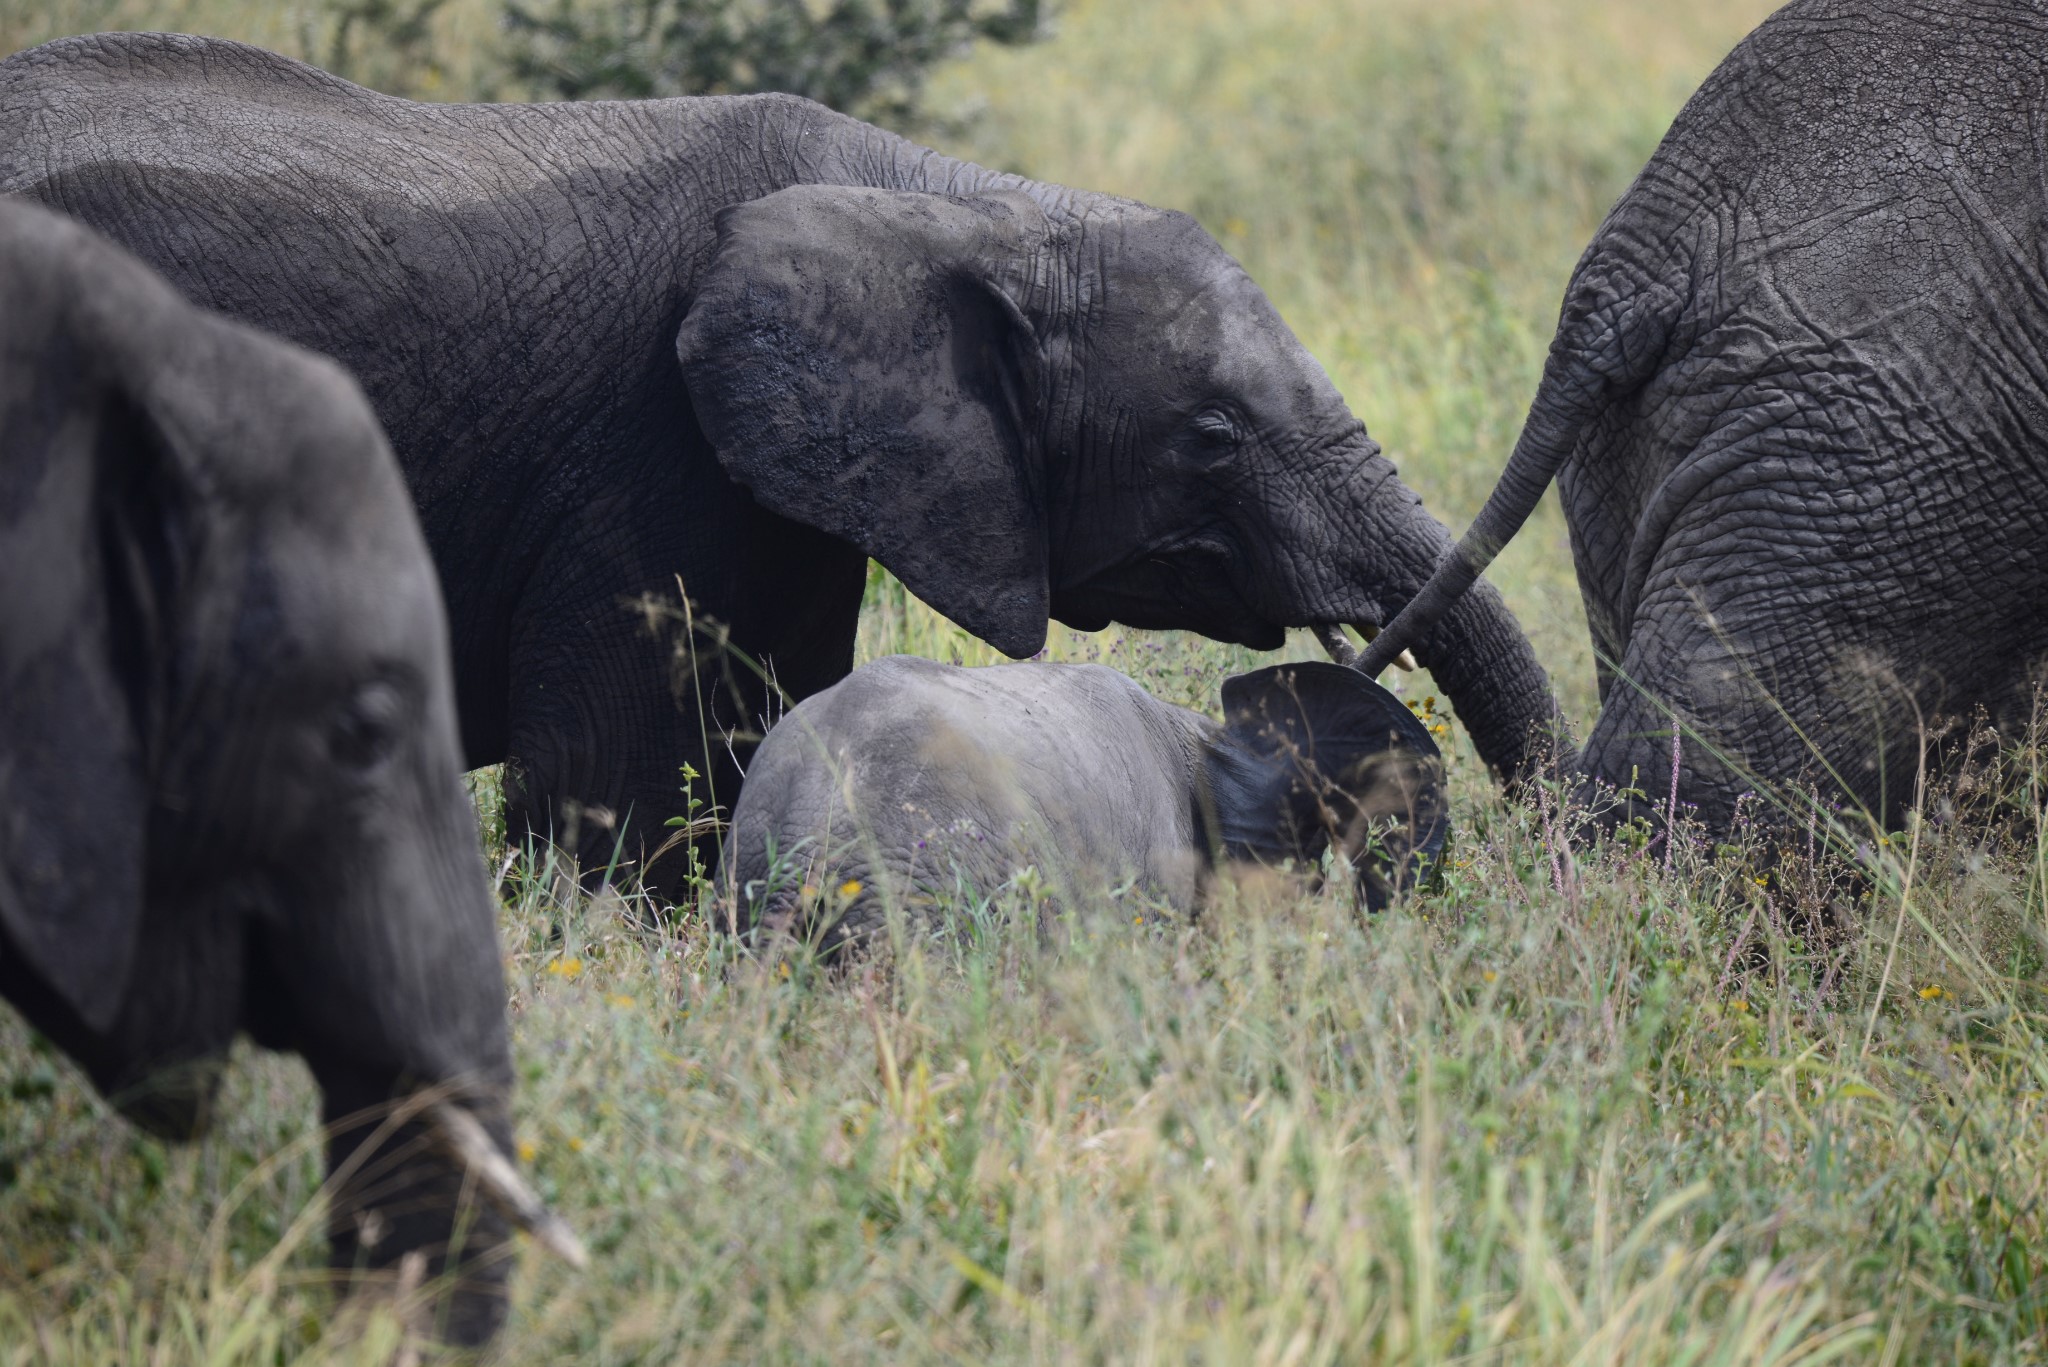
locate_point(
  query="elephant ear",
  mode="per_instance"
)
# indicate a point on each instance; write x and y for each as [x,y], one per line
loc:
[860,363]
[1315,752]
[89,523]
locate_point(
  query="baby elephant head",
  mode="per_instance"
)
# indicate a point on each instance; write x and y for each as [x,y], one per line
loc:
[1314,755]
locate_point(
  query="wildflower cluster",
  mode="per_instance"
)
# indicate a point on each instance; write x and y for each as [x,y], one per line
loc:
[1436,723]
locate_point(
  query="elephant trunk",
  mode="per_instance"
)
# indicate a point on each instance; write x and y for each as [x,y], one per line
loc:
[1475,650]
[1484,663]
[398,1195]
[402,1019]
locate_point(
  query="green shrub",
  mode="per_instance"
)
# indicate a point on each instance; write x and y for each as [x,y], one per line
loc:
[868,57]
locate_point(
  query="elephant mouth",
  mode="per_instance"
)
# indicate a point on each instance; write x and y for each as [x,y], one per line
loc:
[1339,648]
[1186,587]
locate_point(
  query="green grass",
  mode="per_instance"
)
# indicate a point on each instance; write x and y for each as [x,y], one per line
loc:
[1617,1112]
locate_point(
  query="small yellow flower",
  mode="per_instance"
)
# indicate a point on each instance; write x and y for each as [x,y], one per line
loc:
[527,1151]
[1932,992]
[783,968]
[1489,974]
[850,889]
[1738,1005]
[622,1000]
[570,968]
[575,1144]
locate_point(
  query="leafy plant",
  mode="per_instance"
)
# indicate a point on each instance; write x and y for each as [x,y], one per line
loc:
[867,57]
[385,44]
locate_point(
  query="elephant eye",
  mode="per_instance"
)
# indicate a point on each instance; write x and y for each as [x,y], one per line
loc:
[367,729]
[1215,429]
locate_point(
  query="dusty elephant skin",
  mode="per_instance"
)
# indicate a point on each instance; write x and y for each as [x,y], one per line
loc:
[1797,410]
[747,342]
[229,791]
[911,777]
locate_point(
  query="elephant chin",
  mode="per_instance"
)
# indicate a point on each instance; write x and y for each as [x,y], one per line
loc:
[1171,595]
[1093,611]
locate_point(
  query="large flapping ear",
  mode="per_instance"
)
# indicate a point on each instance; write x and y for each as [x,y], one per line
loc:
[1313,753]
[860,362]
[89,538]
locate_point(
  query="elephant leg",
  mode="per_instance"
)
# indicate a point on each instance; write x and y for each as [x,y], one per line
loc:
[1769,712]
[601,732]
[615,692]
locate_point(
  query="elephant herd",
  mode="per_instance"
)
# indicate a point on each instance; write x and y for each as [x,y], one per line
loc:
[347,443]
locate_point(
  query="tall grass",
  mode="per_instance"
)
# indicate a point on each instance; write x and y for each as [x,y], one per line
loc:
[1650,1107]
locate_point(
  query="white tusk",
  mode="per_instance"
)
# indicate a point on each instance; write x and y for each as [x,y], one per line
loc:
[1405,661]
[464,1137]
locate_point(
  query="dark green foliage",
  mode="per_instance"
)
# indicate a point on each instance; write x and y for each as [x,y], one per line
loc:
[867,57]
[386,44]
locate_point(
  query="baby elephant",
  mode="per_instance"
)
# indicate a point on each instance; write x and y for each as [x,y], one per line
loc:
[911,778]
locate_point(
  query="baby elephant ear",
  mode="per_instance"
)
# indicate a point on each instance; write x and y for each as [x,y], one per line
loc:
[859,361]
[1314,752]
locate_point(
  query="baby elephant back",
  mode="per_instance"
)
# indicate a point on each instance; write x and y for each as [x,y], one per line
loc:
[912,780]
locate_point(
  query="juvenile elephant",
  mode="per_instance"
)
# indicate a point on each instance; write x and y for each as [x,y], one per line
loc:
[911,777]
[742,344]
[1797,410]
[229,791]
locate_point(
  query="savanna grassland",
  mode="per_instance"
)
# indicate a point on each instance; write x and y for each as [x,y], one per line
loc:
[1636,1106]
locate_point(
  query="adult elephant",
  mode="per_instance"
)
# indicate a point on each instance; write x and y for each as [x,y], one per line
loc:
[229,797]
[742,344]
[1797,410]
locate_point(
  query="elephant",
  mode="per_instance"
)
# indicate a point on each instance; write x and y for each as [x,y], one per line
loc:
[1797,412]
[663,375]
[229,792]
[910,778]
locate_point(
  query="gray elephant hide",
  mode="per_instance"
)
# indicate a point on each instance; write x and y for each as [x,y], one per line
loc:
[229,791]
[913,780]
[1797,412]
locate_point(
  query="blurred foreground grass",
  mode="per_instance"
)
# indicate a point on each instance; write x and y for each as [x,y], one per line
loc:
[1623,1113]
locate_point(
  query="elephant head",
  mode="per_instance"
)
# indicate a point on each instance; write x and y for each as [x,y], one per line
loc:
[229,790]
[1067,405]
[1313,755]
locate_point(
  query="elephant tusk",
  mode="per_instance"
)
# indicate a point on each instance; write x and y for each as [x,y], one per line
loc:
[1405,662]
[1341,650]
[464,1137]
[1344,653]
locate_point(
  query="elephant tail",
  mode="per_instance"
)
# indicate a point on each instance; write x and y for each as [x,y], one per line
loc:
[1612,336]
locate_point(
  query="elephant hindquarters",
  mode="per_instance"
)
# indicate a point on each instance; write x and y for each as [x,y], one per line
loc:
[1810,612]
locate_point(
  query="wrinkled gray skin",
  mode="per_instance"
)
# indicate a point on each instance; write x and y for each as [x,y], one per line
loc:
[1797,410]
[229,791]
[749,342]
[916,778]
